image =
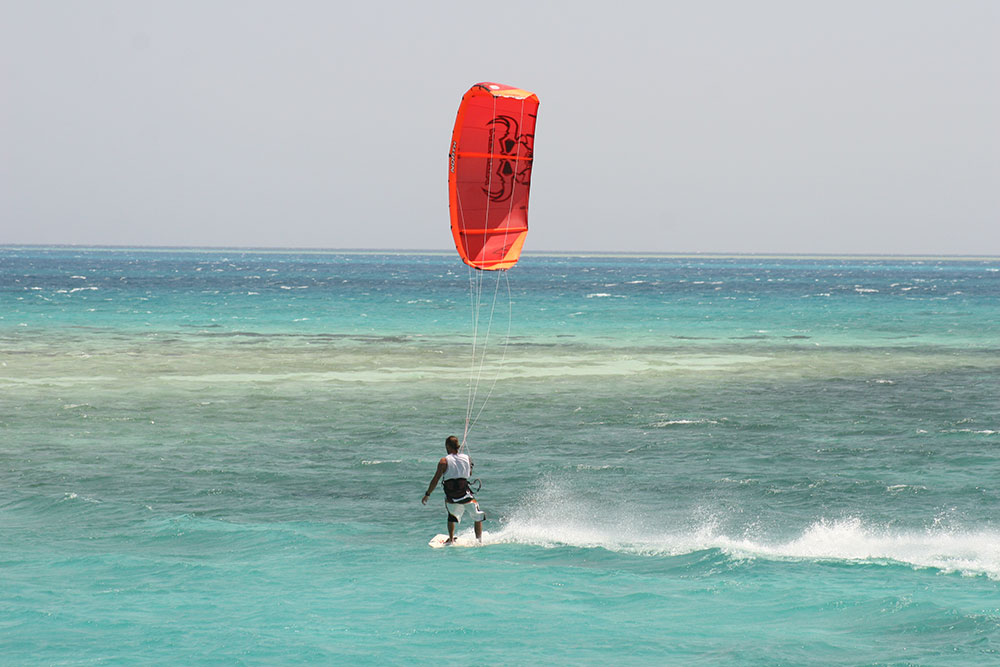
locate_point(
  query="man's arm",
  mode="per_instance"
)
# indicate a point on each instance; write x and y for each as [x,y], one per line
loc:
[442,468]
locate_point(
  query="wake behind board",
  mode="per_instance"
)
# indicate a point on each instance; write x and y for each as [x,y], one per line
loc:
[438,542]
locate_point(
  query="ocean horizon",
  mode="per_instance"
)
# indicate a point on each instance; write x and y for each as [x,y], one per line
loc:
[449,252]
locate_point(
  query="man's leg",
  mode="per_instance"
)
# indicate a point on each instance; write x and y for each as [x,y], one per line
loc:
[452,520]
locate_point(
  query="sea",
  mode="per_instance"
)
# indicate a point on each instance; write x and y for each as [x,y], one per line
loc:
[217,457]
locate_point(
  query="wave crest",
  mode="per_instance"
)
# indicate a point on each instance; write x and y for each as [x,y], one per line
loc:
[553,518]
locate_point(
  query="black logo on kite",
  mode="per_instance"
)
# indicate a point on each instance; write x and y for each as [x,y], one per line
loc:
[506,139]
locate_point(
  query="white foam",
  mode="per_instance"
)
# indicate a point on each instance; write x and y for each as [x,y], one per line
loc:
[555,518]
[896,488]
[74,496]
[969,553]
[966,552]
[681,422]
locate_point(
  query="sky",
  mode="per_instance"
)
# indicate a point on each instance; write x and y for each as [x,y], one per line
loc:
[718,126]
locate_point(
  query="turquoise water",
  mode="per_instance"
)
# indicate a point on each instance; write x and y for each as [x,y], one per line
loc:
[217,457]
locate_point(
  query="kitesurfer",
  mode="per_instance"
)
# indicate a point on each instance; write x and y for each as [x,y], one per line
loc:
[454,470]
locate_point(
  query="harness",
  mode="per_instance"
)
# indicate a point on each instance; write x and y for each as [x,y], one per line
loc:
[459,489]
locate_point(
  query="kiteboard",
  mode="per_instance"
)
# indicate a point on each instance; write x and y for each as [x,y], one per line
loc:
[438,542]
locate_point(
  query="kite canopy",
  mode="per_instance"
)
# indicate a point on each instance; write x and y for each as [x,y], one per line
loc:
[489,174]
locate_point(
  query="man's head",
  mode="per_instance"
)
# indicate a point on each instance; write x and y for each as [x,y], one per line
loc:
[451,444]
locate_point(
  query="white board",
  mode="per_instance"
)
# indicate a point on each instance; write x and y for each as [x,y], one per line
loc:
[438,542]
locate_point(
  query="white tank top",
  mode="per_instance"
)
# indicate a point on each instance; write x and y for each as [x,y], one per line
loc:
[459,466]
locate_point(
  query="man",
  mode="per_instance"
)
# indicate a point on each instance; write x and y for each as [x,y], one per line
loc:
[455,469]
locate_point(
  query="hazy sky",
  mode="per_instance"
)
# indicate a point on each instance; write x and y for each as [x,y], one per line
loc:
[712,126]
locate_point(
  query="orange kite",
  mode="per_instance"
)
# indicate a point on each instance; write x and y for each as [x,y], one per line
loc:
[489,174]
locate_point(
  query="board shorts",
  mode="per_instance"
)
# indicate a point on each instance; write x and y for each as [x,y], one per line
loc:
[456,510]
